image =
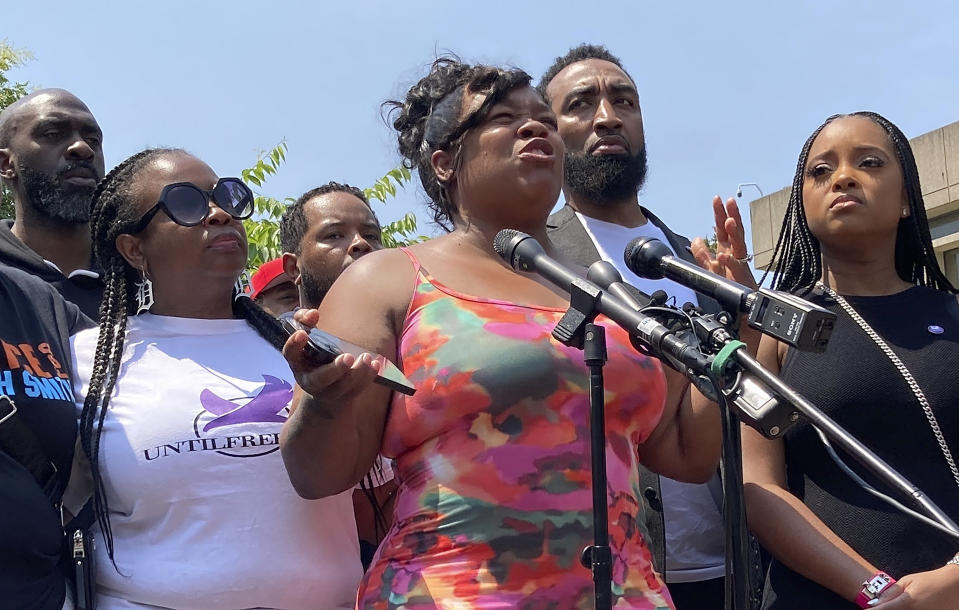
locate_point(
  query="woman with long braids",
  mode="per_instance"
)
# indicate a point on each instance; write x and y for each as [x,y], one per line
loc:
[491,455]
[183,407]
[855,240]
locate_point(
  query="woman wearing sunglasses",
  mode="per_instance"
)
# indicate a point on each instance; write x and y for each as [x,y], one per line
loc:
[183,406]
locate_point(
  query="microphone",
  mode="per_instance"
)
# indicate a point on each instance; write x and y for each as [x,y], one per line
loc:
[523,253]
[757,407]
[650,258]
[607,277]
[784,316]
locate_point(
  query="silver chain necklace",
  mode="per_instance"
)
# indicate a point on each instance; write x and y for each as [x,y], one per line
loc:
[906,375]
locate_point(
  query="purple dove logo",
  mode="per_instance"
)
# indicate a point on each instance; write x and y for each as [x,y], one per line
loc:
[265,407]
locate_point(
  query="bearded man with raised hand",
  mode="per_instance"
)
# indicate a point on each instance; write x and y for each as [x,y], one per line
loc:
[600,120]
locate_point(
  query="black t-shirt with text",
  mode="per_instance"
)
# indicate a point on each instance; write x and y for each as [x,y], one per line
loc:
[35,326]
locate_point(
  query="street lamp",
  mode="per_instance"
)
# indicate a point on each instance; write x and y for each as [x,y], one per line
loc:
[739,189]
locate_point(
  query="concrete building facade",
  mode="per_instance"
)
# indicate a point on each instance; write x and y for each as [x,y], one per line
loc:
[937,156]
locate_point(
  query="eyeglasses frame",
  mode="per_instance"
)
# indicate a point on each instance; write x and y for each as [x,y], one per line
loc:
[162,205]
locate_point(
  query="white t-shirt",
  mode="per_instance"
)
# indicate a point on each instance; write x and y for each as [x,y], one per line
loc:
[692,513]
[202,510]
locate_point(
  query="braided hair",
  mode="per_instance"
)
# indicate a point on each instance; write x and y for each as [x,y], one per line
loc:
[796,262]
[114,213]
[430,119]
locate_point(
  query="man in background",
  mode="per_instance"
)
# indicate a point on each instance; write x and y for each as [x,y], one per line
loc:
[51,159]
[323,233]
[272,289]
[599,118]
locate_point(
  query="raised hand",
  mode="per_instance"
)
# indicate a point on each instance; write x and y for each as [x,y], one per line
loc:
[732,257]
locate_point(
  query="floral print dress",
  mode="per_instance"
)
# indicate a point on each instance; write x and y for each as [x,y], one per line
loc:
[494,505]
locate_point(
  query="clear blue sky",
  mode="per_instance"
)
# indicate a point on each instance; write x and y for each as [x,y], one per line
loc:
[729,91]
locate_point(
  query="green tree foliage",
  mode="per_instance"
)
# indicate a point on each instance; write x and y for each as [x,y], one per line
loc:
[401,232]
[385,187]
[712,243]
[263,228]
[10,58]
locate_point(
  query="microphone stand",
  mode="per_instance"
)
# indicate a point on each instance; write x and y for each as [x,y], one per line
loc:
[738,582]
[576,329]
[848,442]
[599,557]
[728,359]
[706,360]
[708,376]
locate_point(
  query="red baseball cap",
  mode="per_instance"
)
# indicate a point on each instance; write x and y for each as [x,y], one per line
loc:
[269,275]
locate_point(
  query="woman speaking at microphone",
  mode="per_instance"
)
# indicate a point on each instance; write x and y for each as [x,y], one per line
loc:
[492,453]
[855,240]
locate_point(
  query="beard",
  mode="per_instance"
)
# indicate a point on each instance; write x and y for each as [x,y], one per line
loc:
[314,287]
[47,195]
[605,179]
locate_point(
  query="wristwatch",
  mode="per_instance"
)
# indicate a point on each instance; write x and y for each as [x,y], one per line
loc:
[954,561]
[873,588]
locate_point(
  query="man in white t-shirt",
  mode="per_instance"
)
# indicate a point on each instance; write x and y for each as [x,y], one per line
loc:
[599,118]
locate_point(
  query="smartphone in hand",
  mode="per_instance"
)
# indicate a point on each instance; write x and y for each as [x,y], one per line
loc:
[323,348]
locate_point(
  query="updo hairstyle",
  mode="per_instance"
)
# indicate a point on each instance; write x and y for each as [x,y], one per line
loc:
[433,117]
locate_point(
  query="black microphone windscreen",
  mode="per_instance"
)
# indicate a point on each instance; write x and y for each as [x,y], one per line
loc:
[659,297]
[501,243]
[643,256]
[603,273]
[633,247]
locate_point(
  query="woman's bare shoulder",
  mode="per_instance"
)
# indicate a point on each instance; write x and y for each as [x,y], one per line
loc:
[378,286]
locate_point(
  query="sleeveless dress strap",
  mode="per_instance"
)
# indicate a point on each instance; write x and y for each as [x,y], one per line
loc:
[416,263]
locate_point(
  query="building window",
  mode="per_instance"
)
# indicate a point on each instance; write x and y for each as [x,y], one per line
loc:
[944,225]
[951,267]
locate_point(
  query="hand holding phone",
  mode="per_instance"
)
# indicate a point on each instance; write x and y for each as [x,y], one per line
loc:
[323,348]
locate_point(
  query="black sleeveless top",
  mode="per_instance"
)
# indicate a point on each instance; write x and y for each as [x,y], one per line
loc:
[856,385]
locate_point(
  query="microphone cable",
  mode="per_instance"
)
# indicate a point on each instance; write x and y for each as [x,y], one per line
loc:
[852,474]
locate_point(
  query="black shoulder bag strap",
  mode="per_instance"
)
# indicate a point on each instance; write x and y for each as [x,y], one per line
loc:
[19,442]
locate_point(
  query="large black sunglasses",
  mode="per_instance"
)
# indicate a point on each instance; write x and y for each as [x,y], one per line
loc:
[188,205]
